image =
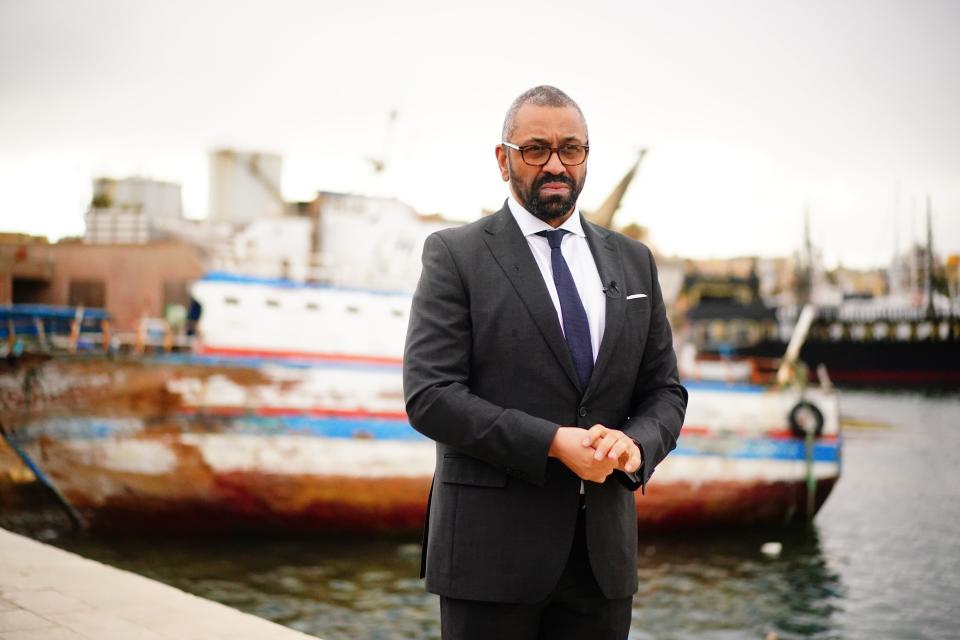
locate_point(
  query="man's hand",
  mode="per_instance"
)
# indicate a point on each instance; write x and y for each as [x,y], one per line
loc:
[611,444]
[569,448]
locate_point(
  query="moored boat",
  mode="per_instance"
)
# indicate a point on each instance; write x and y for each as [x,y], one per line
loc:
[908,336]
[289,415]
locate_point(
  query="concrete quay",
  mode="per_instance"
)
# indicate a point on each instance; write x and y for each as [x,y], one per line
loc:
[50,594]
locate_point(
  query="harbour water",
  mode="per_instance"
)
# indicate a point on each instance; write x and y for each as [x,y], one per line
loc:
[882,559]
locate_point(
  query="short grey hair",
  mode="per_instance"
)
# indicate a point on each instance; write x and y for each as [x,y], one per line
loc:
[542,96]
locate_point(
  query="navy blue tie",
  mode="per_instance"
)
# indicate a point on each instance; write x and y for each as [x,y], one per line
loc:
[576,328]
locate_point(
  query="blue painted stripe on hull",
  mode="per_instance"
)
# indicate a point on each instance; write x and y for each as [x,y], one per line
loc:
[763,449]
[719,385]
[400,430]
[254,362]
[374,429]
[283,283]
[93,428]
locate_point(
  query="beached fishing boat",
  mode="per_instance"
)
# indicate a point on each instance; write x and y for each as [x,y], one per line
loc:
[289,415]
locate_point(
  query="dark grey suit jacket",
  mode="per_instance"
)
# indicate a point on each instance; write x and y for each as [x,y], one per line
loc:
[488,376]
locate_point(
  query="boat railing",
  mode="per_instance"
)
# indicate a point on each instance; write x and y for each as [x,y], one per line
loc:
[158,335]
[57,330]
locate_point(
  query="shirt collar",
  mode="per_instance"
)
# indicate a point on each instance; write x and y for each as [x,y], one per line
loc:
[530,224]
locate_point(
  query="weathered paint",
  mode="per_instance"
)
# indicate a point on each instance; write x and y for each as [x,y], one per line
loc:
[302,482]
[670,506]
[208,491]
[194,443]
[308,455]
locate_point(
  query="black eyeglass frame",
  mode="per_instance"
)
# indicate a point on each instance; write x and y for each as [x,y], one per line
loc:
[553,150]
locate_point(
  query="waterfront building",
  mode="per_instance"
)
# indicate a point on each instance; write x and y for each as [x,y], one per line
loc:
[131,210]
[130,281]
[244,186]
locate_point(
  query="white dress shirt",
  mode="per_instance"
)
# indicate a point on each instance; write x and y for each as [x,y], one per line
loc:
[579,260]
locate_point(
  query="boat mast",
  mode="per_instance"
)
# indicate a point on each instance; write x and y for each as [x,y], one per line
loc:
[913,282]
[897,271]
[805,284]
[931,311]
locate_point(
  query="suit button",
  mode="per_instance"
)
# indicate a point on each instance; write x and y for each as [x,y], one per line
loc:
[582,412]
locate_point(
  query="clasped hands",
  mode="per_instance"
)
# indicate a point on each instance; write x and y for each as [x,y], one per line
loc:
[595,453]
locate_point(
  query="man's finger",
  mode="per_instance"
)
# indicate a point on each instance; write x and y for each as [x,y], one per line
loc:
[634,458]
[618,448]
[593,434]
[603,446]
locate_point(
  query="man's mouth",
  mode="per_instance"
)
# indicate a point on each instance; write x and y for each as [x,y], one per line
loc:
[554,188]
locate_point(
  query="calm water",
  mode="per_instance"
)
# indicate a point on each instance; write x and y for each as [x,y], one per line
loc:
[881,561]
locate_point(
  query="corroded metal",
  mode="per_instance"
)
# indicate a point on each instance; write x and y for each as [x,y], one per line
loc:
[191,444]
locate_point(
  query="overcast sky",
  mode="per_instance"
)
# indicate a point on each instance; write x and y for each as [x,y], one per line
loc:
[751,110]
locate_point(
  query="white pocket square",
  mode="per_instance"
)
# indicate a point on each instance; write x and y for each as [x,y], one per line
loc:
[636,295]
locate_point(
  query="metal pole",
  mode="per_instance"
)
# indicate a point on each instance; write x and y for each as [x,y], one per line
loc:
[72,513]
[811,480]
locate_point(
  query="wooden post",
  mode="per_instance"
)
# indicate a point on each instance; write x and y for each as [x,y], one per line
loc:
[105,334]
[11,336]
[167,337]
[41,335]
[139,345]
[75,330]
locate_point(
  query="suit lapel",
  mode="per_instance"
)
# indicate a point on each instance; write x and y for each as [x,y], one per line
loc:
[512,253]
[610,266]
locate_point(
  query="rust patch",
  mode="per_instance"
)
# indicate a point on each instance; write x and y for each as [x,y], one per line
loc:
[263,502]
[37,389]
[720,504]
[195,499]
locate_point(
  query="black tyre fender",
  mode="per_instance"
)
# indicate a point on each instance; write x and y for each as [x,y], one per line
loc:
[796,419]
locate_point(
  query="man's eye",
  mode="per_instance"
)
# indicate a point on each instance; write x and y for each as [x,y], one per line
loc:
[570,148]
[535,149]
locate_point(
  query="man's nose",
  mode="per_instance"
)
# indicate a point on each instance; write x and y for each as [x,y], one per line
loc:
[554,165]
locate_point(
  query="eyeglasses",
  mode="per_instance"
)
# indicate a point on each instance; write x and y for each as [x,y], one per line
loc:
[537,155]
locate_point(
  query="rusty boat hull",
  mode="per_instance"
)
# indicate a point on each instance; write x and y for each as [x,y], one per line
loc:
[217,442]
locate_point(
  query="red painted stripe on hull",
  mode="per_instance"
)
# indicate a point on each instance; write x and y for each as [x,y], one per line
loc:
[298,355]
[901,377]
[778,434]
[294,412]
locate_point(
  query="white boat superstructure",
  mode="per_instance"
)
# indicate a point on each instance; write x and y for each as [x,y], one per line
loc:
[263,317]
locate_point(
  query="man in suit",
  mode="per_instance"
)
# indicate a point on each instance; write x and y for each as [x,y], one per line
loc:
[540,360]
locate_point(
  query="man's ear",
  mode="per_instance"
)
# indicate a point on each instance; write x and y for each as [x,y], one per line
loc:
[502,160]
